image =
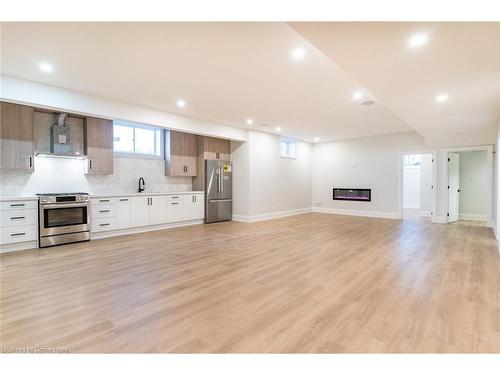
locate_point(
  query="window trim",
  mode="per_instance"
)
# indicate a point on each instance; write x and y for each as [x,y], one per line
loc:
[140,154]
[288,141]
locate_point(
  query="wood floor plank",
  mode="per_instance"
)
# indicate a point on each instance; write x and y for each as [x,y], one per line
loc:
[312,283]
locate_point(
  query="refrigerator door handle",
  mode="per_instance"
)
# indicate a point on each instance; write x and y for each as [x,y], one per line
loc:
[222,180]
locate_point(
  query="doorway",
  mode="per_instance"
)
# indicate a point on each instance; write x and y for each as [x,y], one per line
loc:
[468,187]
[418,186]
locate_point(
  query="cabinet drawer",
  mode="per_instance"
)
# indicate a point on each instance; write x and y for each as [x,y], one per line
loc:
[104,224]
[18,205]
[174,211]
[15,218]
[99,201]
[18,234]
[103,210]
[174,198]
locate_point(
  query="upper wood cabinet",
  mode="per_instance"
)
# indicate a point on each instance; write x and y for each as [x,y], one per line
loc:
[215,148]
[181,151]
[99,145]
[16,137]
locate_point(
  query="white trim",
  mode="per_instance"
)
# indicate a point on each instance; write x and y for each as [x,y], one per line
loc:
[425,213]
[28,245]
[472,217]
[489,178]
[149,228]
[411,206]
[270,215]
[338,211]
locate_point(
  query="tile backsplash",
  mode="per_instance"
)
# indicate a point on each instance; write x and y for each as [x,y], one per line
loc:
[67,175]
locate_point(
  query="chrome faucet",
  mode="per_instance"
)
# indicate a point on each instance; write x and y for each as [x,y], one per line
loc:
[141,186]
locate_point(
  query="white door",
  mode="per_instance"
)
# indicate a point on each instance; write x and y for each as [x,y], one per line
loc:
[454,186]
[199,206]
[139,211]
[123,213]
[158,210]
[188,207]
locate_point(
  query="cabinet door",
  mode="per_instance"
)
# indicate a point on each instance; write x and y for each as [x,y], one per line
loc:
[175,211]
[158,210]
[199,206]
[139,211]
[123,213]
[16,137]
[216,149]
[193,207]
[99,145]
[181,151]
[191,154]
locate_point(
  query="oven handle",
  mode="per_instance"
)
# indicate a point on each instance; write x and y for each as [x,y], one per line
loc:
[63,205]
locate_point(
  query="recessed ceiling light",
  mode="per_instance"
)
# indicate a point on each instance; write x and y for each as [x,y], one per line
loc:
[278,129]
[249,121]
[357,95]
[298,53]
[316,139]
[46,67]
[181,103]
[417,40]
[441,98]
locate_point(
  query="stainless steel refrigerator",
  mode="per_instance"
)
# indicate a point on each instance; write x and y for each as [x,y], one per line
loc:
[218,191]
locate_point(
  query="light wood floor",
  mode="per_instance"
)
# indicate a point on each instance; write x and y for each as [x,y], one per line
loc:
[309,283]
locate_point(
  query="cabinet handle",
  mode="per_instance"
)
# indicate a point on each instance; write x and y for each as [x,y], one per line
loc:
[17,234]
[103,225]
[90,164]
[18,218]
[30,161]
[124,200]
[104,211]
[17,205]
[175,203]
[175,197]
[103,200]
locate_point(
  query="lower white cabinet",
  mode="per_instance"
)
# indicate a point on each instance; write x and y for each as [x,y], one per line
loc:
[140,211]
[193,207]
[18,221]
[123,213]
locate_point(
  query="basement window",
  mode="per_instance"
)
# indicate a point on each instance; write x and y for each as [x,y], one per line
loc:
[137,139]
[288,148]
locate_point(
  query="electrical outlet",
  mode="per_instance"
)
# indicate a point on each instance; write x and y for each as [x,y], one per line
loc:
[317,204]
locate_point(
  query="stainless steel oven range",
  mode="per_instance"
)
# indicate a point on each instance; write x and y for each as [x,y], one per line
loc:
[63,218]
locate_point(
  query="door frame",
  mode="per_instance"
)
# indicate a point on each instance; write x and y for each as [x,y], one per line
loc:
[489,179]
[434,179]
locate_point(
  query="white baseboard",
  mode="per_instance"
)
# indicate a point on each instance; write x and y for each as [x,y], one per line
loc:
[425,213]
[339,211]
[149,228]
[411,206]
[472,217]
[270,215]
[18,246]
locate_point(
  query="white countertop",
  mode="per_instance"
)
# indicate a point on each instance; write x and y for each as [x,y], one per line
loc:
[19,198]
[102,195]
[108,195]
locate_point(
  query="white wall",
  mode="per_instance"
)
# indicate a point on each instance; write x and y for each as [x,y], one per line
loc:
[372,162]
[67,175]
[38,94]
[411,187]
[266,185]
[473,185]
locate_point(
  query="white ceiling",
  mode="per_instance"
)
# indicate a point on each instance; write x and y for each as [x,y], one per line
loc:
[228,72]
[460,59]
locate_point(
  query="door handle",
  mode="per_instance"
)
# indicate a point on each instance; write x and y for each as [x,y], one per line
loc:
[90,164]
[30,161]
[18,218]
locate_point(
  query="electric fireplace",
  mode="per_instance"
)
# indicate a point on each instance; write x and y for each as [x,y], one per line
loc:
[359,195]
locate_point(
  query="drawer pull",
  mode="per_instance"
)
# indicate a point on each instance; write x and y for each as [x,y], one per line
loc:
[175,197]
[124,200]
[175,203]
[103,200]
[17,205]
[18,218]
[17,234]
[104,225]
[104,211]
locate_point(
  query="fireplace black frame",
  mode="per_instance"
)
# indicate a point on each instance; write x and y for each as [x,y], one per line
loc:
[366,192]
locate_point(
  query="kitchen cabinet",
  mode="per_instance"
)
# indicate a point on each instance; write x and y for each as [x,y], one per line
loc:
[147,210]
[123,213]
[18,222]
[181,151]
[99,145]
[209,148]
[16,137]
[175,208]
[193,206]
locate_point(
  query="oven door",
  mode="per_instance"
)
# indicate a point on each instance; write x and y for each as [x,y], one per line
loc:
[63,218]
